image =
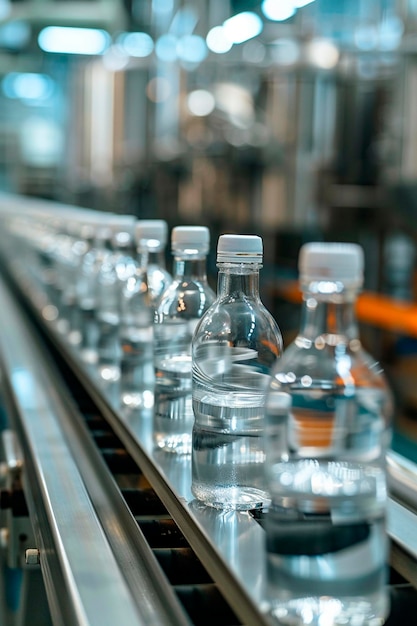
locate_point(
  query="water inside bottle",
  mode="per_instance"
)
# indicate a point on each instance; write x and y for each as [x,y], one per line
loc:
[137,369]
[228,447]
[173,414]
[326,544]
[326,536]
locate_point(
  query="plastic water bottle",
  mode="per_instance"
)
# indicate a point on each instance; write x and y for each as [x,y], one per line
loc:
[154,234]
[115,269]
[140,293]
[327,427]
[180,308]
[79,236]
[83,245]
[234,348]
[87,290]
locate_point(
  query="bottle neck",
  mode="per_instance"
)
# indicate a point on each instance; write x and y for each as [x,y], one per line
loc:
[190,266]
[331,315]
[238,278]
[157,258]
[142,258]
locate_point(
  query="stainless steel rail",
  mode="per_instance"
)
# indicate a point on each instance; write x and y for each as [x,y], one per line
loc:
[92,575]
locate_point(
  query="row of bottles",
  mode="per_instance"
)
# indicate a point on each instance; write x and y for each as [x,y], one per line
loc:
[299,434]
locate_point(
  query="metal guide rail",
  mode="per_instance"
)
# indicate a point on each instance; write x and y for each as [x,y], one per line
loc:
[172,560]
[97,567]
[123,443]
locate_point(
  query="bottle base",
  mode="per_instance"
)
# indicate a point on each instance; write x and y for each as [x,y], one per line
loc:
[231,498]
[173,423]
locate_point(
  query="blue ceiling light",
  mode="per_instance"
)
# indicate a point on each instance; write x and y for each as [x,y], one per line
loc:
[217,40]
[242,27]
[191,48]
[166,48]
[278,10]
[15,35]
[138,44]
[28,86]
[71,40]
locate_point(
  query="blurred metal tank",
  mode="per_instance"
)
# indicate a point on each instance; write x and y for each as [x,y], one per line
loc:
[295,131]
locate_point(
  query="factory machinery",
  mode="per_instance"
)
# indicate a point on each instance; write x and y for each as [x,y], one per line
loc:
[101,527]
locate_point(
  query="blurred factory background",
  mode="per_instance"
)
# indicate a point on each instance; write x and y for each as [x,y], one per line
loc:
[294,119]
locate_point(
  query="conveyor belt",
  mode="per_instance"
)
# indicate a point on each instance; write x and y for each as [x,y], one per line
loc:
[152,554]
[190,581]
[198,564]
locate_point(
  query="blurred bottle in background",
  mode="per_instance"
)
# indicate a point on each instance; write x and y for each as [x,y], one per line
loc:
[140,293]
[327,429]
[234,348]
[116,268]
[86,231]
[80,239]
[155,232]
[180,308]
[87,290]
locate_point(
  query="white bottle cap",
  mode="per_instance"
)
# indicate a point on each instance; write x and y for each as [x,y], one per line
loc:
[190,239]
[121,223]
[239,249]
[153,233]
[342,262]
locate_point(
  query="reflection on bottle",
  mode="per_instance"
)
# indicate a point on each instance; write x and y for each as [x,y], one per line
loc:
[233,349]
[179,310]
[173,422]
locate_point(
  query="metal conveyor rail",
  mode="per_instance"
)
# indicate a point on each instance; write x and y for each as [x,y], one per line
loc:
[89,579]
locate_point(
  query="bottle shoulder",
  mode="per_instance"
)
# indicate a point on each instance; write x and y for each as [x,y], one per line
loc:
[234,310]
[185,298]
[342,364]
[242,323]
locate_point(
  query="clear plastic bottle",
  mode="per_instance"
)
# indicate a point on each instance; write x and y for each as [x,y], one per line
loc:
[85,241]
[180,308]
[64,263]
[79,233]
[155,232]
[327,427]
[87,290]
[115,270]
[234,348]
[140,293]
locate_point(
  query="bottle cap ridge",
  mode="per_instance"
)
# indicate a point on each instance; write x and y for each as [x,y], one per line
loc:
[332,261]
[196,239]
[240,248]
